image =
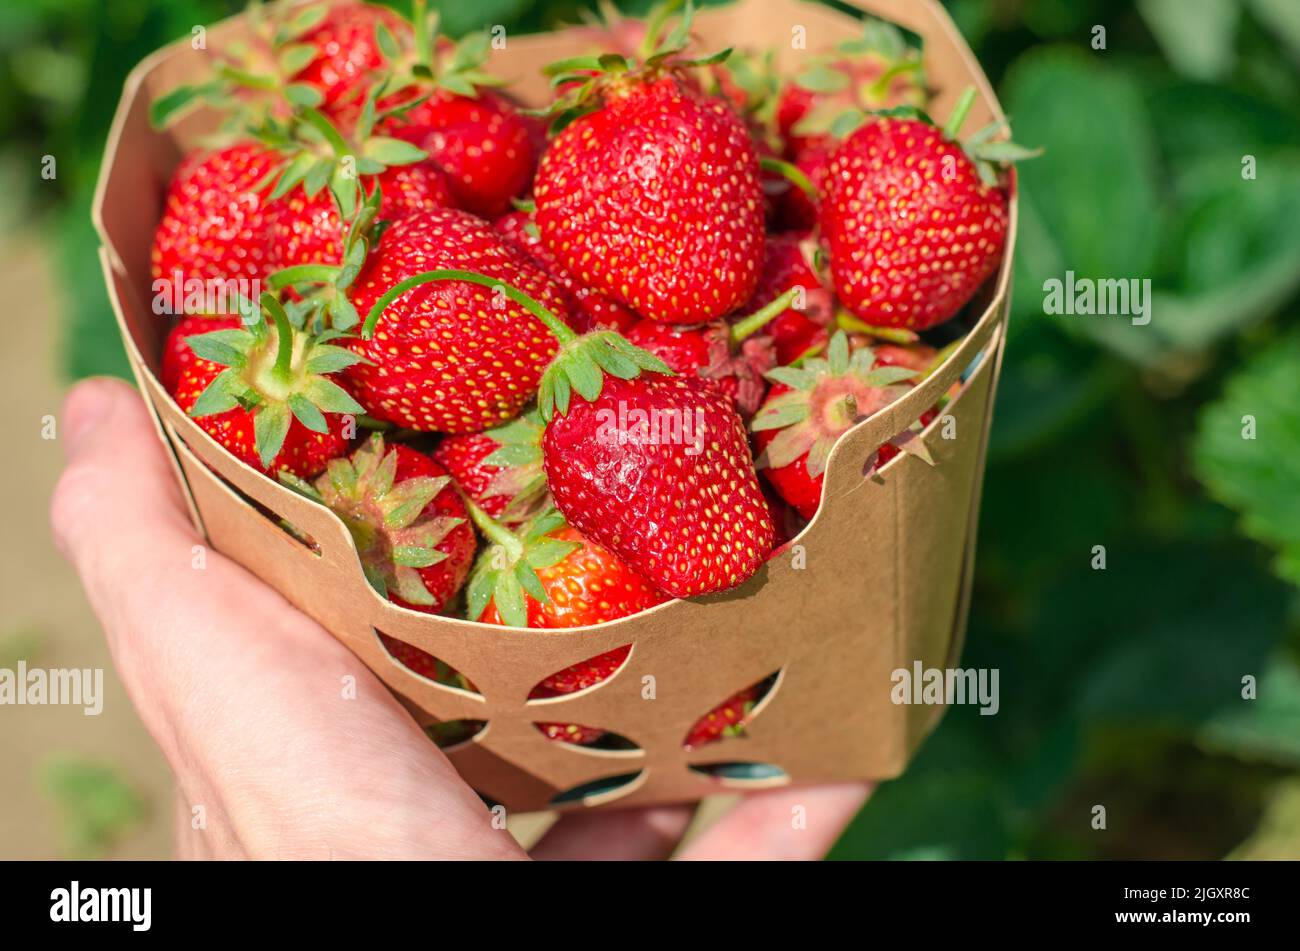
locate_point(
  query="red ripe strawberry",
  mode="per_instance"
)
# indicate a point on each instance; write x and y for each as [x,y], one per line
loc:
[726,719]
[913,226]
[810,408]
[653,466]
[424,663]
[177,353]
[409,524]
[590,308]
[553,577]
[579,583]
[732,357]
[658,470]
[786,268]
[265,394]
[500,469]
[347,51]
[589,672]
[448,356]
[307,229]
[214,223]
[482,142]
[654,198]
[875,71]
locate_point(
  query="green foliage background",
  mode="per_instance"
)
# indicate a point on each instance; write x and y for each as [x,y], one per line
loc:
[1121,687]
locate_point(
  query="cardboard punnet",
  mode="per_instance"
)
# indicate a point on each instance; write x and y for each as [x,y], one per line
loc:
[880,579]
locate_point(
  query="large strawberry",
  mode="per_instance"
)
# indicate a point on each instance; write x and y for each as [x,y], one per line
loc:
[449,356]
[732,356]
[591,309]
[651,191]
[655,467]
[266,393]
[912,222]
[409,524]
[810,408]
[215,223]
[500,469]
[550,576]
[875,71]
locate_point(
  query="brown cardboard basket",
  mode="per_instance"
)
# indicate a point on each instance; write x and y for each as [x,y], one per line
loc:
[878,581]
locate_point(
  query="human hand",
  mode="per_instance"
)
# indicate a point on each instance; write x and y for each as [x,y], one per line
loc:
[241,692]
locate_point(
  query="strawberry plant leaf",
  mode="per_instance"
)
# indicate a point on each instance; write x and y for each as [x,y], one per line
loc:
[307,414]
[1247,450]
[218,397]
[508,596]
[332,398]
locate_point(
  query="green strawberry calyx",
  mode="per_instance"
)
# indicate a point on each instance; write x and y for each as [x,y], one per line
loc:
[588,80]
[252,77]
[385,517]
[580,363]
[277,373]
[518,457]
[828,397]
[506,573]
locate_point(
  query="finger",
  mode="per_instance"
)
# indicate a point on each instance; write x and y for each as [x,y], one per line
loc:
[797,823]
[245,695]
[621,835]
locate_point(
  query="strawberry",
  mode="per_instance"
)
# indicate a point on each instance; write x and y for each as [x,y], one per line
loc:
[650,193]
[500,469]
[732,357]
[347,51]
[409,524]
[655,467]
[589,672]
[263,392]
[553,577]
[215,219]
[810,408]
[482,143]
[591,309]
[798,198]
[875,71]
[424,663]
[448,357]
[726,719]
[785,268]
[177,353]
[681,506]
[912,222]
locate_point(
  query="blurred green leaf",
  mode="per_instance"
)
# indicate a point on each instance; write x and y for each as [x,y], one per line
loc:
[1090,203]
[1266,728]
[1259,476]
[97,805]
[1199,37]
[456,17]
